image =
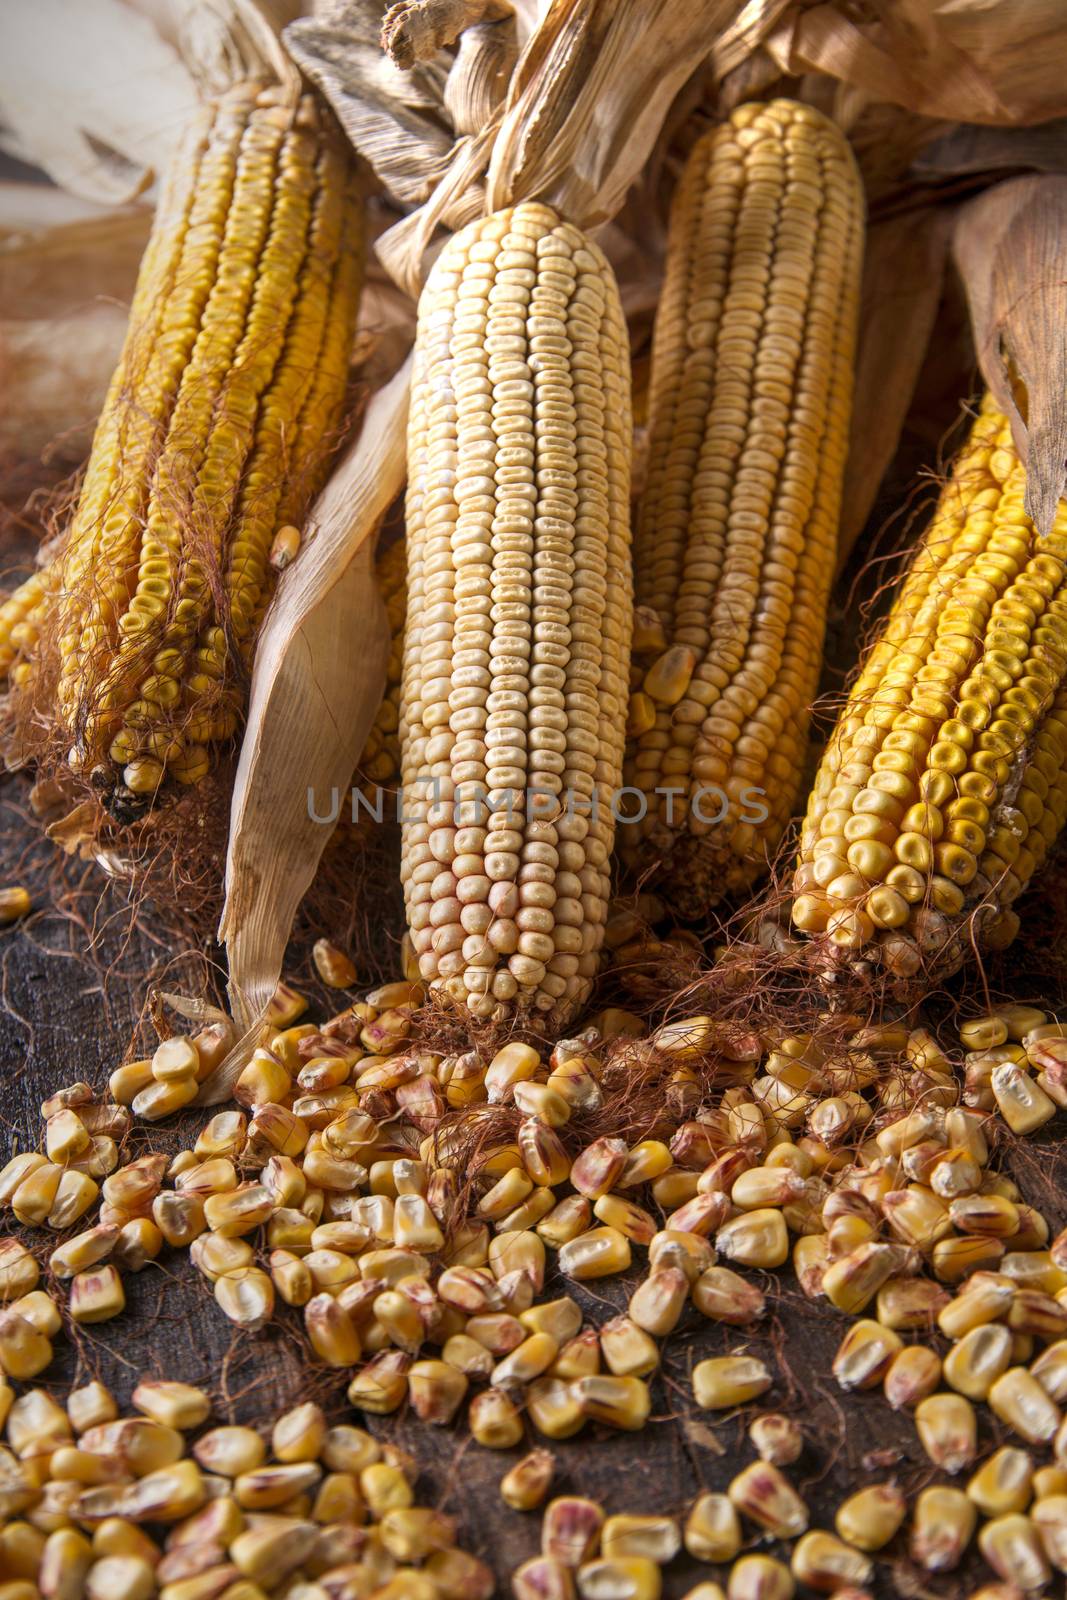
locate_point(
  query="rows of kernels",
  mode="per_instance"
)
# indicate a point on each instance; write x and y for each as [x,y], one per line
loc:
[940,789]
[737,525]
[216,425]
[518,613]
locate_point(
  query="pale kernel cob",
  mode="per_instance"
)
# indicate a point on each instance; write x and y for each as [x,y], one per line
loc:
[519,614]
[737,527]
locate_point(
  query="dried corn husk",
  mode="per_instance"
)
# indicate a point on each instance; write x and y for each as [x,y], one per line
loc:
[66,273]
[97,92]
[317,682]
[1010,245]
[903,271]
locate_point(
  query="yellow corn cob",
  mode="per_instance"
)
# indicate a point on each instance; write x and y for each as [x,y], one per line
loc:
[213,435]
[519,613]
[943,785]
[737,526]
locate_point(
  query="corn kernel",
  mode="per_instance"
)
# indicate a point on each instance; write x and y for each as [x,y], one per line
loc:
[728,1381]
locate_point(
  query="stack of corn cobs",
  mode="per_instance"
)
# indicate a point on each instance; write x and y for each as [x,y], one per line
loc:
[567,700]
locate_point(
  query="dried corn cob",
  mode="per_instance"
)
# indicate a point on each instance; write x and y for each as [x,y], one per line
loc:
[519,613]
[737,526]
[943,785]
[213,434]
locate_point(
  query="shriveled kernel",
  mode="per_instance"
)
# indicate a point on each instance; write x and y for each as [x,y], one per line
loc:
[524,1487]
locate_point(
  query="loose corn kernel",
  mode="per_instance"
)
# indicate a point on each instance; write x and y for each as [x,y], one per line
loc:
[755,1238]
[724,1296]
[19,1272]
[1049,1518]
[711,1531]
[943,1522]
[1020,1402]
[494,1419]
[657,1303]
[823,1562]
[628,1350]
[655,1539]
[246,1296]
[524,1487]
[599,1253]
[176,1405]
[978,1359]
[1003,1483]
[1020,1101]
[760,1578]
[633,1577]
[570,1529]
[865,1354]
[436,1390]
[90,1406]
[24,1350]
[96,1295]
[541,1578]
[230,1451]
[727,1381]
[871,1517]
[947,1430]
[761,1493]
[14,903]
[621,1402]
[1013,1548]
[776,1438]
[331,1331]
[554,1409]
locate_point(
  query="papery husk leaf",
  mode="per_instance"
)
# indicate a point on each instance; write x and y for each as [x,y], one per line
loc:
[223,42]
[589,96]
[91,93]
[478,80]
[1010,245]
[414,30]
[394,119]
[316,686]
[903,273]
[66,276]
[967,151]
[97,92]
[990,61]
[457,200]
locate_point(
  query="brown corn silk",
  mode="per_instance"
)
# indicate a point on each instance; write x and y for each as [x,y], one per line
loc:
[133,646]
[943,785]
[734,553]
[519,615]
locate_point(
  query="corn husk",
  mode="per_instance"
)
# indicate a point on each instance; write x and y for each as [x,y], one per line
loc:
[1010,245]
[67,270]
[317,683]
[903,272]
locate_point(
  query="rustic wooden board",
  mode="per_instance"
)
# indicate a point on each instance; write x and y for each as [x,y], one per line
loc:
[62,1020]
